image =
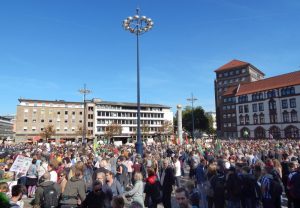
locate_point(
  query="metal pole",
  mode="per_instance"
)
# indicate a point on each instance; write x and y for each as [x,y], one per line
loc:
[192,99]
[84,91]
[139,144]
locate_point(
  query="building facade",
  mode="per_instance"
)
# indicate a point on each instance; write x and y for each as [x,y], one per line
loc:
[33,116]
[153,117]
[67,118]
[269,108]
[6,127]
[228,78]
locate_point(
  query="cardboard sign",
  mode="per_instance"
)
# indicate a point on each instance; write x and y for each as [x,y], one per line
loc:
[21,165]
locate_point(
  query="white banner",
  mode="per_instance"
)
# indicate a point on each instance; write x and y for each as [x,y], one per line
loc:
[21,165]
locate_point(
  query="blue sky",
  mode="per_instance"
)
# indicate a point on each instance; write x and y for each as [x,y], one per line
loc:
[49,49]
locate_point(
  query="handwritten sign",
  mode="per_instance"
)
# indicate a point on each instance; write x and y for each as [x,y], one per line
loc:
[21,165]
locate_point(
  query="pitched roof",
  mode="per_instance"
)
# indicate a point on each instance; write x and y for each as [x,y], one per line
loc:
[284,80]
[232,64]
[230,91]
[237,64]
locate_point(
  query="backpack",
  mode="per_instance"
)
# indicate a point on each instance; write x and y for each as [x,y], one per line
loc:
[295,186]
[219,185]
[237,185]
[276,188]
[50,197]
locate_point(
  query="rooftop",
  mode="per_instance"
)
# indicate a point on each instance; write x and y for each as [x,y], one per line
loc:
[236,64]
[279,81]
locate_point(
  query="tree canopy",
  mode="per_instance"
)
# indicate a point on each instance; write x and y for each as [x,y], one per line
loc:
[201,121]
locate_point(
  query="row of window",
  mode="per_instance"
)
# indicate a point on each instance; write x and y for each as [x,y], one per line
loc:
[33,129]
[116,107]
[230,115]
[106,121]
[260,119]
[272,105]
[229,100]
[131,129]
[220,83]
[274,132]
[126,114]
[50,120]
[34,111]
[55,105]
[229,125]
[272,93]
[231,73]
[228,107]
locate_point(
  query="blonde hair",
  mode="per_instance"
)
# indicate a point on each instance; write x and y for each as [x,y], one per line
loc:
[138,176]
[4,187]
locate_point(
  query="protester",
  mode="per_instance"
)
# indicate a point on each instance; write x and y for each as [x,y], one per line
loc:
[16,196]
[47,193]
[138,189]
[182,198]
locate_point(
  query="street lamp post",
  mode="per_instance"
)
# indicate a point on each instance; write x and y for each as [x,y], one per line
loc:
[138,25]
[84,91]
[192,99]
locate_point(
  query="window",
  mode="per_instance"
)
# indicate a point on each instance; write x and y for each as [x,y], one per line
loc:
[272,105]
[293,103]
[80,121]
[242,122]
[284,104]
[243,70]
[73,113]
[255,119]
[294,116]
[286,117]
[58,112]
[261,118]
[90,124]
[66,112]
[231,73]
[25,120]
[42,120]
[226,74]
[50,121]
[25,110]
[240,109]
[90,116]
[80,113]
[273,118]
[66,121]
[246,109]
[247,120]
[261,106]
[34,120]
[254,107]
[243,99]
[237,72]
[220,75]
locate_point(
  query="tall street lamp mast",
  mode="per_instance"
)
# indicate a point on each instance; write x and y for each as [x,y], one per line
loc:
[138,25]
[84,91]
[192,99]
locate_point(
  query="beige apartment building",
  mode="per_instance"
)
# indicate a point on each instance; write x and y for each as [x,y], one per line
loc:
[34,115]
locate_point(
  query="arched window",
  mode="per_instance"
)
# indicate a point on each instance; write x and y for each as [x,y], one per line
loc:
[242,121]
[261,118]
[247,120]
[272,104]
[274,132]
[255,119]
[260,133]
[294,116]
[291,132]
[245,132]
[286,117]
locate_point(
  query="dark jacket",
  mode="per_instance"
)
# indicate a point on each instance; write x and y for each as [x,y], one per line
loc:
[169,179]
[75,188]
[94,200]
[40,191]
[200,174]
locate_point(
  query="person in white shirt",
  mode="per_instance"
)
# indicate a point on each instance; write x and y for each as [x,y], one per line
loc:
[177,170]
[53,174]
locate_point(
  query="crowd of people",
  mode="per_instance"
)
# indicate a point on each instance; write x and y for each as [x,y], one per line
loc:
[203,174]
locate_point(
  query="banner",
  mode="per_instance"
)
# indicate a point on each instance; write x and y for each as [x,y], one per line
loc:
[21,165]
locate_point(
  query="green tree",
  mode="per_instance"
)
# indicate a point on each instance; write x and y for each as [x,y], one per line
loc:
[48,132]
[201,122]
[210,129]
